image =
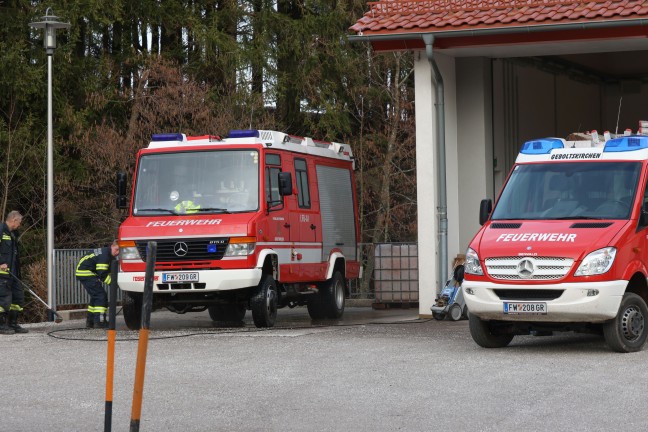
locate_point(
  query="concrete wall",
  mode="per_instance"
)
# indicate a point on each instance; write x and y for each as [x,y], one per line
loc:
[427,172]
[474,176]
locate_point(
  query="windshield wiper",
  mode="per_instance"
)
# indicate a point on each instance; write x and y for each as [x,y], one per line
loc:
[166,210]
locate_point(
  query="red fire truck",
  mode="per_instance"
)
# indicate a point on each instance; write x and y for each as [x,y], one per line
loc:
[257,220]
[566,246]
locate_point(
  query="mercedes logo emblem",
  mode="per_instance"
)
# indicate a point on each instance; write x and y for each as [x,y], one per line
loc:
[525,268]
[180,249]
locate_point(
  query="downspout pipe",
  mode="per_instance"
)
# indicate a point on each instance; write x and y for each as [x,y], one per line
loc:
[442,205]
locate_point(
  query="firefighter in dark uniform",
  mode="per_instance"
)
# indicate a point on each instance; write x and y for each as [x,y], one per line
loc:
[91,271]
[12,296]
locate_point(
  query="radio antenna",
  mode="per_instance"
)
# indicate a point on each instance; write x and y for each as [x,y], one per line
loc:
[616,130]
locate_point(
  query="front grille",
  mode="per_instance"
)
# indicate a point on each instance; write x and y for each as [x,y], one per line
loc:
[197,249]
[530,294]
[544,268]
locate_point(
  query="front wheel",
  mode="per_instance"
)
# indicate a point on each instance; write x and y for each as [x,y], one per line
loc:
[332,296]
[132,308]
[627,331]
[482,333]
[264,303]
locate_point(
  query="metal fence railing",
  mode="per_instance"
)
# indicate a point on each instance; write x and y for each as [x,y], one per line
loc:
[390,275]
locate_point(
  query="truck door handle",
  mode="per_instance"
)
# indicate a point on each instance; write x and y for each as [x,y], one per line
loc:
[286,225]
[312,227]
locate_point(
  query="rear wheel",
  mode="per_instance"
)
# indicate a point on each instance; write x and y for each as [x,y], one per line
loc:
[482,333]
[227,314]
[438,316]
[455,312]
[264,303]
[332,296]
[627,331]
[132,308]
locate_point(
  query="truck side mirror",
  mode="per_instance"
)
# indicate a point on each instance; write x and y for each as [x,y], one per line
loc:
[643,217]
[485,209]
[121,191]
[285,183]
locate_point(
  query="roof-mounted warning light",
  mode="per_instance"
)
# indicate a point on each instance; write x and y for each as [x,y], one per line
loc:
[542,146]
[168,137]
[626,143]
[246,133]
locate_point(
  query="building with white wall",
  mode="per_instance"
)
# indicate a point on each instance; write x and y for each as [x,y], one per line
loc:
[503,73]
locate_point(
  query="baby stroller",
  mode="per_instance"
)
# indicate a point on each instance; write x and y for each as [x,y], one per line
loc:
[451,302]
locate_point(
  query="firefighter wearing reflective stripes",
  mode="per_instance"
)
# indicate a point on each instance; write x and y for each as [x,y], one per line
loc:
[93,270]
[12,296]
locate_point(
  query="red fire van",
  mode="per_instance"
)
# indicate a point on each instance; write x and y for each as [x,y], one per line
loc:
[258,220]
[565,248]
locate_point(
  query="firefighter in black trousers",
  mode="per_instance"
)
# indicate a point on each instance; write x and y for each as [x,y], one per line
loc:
[91,271]
[12,296]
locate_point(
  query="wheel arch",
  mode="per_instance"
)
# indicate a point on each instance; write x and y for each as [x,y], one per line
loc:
[268,262]
[638,285]
[337,262]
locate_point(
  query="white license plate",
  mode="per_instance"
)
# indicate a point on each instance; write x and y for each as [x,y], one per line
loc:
[180,277]
[520,308]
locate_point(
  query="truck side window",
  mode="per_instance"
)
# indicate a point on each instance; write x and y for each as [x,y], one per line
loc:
[301,174]
[272,170]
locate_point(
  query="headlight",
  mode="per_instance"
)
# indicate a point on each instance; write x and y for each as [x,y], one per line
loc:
[472,265]
[240,246]
[597,262]
[128,251]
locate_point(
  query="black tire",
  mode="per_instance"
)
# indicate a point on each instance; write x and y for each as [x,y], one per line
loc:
[332,293]
[264,303]
[227,314]
[627,331]
[481,332]
[132,309]
[455,313]
[438,316]
[466,313]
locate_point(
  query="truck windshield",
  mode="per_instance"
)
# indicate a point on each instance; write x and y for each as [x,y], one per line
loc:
[583,190]
[225,181]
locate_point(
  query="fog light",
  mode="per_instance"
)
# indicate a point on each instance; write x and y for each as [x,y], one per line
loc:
[592,292]
[469,291]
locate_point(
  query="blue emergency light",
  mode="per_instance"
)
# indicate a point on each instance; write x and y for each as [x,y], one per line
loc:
[168,137]
[246,133]
[626,143]
[541,146]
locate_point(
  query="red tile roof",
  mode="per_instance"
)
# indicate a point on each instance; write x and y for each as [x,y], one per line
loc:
[398,16]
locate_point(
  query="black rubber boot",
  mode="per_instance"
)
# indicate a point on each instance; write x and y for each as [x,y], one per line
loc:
[13,322]
[4,328]
[90,320]
[97,322]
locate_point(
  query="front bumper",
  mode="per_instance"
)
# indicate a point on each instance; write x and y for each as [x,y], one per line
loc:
[574,305]
[208,281]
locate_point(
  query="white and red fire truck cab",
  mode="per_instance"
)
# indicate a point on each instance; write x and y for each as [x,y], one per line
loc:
[565,247]
[257,220]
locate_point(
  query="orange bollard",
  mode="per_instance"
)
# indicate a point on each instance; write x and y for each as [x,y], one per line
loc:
[142,347]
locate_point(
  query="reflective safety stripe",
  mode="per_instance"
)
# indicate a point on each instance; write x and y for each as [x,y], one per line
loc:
[5,237]
[102,266]
[1,309]
[85,273]
[108,280]
[5,272]
[100,309]
[15,307]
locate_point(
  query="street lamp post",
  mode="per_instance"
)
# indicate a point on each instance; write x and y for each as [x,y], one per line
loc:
[50,23]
